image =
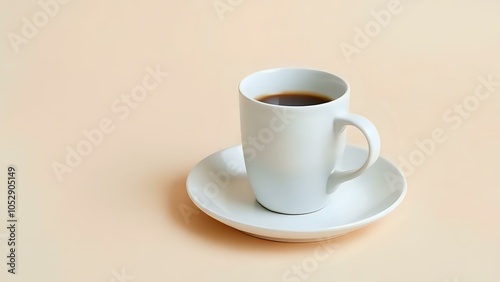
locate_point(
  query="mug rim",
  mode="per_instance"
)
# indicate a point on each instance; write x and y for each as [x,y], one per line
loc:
[310,70]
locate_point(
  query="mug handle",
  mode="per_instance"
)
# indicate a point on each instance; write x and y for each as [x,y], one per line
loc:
[373,139]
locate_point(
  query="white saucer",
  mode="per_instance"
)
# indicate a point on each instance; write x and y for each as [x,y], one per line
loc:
[218,185]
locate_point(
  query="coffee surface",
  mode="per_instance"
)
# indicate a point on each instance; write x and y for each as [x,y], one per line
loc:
[298,98]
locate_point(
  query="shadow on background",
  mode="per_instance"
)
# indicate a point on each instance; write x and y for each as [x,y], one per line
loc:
[203,227]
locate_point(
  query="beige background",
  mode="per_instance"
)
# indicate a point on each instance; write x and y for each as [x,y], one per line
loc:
[119,210]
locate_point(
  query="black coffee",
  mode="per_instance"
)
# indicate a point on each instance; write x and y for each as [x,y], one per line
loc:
[298,98]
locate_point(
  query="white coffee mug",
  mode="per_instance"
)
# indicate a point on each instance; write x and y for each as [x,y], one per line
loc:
[291,152]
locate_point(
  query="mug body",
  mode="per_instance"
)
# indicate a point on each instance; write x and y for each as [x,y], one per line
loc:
[290,151]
